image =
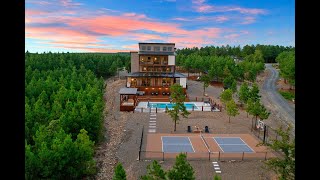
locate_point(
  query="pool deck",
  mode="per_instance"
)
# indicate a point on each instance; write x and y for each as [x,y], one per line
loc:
[199,106]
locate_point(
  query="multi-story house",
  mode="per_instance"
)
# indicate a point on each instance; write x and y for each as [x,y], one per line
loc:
[153,69]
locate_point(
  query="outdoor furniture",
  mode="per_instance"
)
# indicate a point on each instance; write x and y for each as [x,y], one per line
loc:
[206,129]
[168,93]
[189,129]
[140,93]
[156,93]
[163,93]
[152,93]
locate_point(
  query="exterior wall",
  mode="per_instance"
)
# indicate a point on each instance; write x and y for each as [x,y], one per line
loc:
[152,45]
[183,82]
[172,60]
[134,62]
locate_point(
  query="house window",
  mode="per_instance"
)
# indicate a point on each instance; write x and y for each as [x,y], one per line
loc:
[149,48]
[169,48]
[143,48]
[164,48]
[156,48]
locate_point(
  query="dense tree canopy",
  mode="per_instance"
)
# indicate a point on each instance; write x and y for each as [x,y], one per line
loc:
[64,89]
[286,62]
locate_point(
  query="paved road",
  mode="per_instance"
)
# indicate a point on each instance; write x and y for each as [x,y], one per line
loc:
[274,100]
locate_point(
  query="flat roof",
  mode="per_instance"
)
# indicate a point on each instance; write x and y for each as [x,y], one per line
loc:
[156,74]
[158,43]
[128,91]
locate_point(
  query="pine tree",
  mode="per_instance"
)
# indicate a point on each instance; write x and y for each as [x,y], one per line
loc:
[119,173]
[179,109]
[181,169]
[154,172]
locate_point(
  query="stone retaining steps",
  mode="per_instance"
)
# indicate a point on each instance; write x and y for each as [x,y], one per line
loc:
[152,120]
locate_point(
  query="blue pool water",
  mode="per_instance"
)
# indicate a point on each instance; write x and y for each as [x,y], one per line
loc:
[170,105]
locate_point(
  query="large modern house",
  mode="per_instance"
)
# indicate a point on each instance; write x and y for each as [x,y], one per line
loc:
[153,69]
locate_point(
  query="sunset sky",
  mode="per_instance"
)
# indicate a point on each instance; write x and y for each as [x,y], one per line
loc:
[118,25]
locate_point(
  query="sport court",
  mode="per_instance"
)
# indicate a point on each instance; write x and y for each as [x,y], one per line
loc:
[196,146]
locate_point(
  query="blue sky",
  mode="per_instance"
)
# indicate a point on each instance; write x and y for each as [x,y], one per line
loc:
[118,25]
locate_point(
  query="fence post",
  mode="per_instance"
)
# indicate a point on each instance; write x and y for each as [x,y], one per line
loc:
[219,156]
[141,109]
[162,156]
[242,156]
[156,109]
[139,155]
[265,157]
[264,134]
[202,108]
[192,107]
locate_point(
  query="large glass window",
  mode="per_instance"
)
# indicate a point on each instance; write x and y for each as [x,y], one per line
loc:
[169,48]
[149,48]
[164,48]
[156,48]
[143,48]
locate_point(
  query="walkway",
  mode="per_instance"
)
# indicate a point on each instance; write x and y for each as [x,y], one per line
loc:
[152,121]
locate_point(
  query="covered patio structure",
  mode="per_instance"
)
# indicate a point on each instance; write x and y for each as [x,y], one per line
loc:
[128,99]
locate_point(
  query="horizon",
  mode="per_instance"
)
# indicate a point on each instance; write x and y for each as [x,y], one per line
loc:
[110,27]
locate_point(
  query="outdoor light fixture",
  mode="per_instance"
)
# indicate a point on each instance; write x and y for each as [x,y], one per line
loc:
[152,88]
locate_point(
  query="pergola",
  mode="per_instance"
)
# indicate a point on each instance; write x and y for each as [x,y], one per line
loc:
[128,99]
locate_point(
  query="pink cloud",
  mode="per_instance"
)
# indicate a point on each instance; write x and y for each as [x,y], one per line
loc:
[232,36]
[131,47]
[69,3]
[244,32]
[91,49]
[213,18]
[201,6]
[135,15]
[248,20]
[181,19]
[80,32]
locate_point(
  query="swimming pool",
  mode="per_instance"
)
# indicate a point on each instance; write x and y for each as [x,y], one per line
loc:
[163,105]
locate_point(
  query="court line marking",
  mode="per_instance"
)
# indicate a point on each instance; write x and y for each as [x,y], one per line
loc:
[233,144]
[205,143]
[217,143]
[191,144]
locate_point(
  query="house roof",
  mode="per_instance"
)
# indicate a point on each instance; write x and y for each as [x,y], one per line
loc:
[156,74]
[128,91]
[157,52]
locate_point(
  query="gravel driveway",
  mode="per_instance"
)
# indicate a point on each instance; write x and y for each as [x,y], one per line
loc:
[273,100]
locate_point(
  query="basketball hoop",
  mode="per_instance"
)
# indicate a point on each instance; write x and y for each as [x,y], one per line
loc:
[260,125]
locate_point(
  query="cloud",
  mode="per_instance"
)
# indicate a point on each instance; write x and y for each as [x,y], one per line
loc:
[202,7]
[69,3]
[248,20]
[181,19]
[232,36]
[55,29]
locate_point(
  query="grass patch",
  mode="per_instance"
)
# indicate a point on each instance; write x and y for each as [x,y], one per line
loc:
[287,95]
